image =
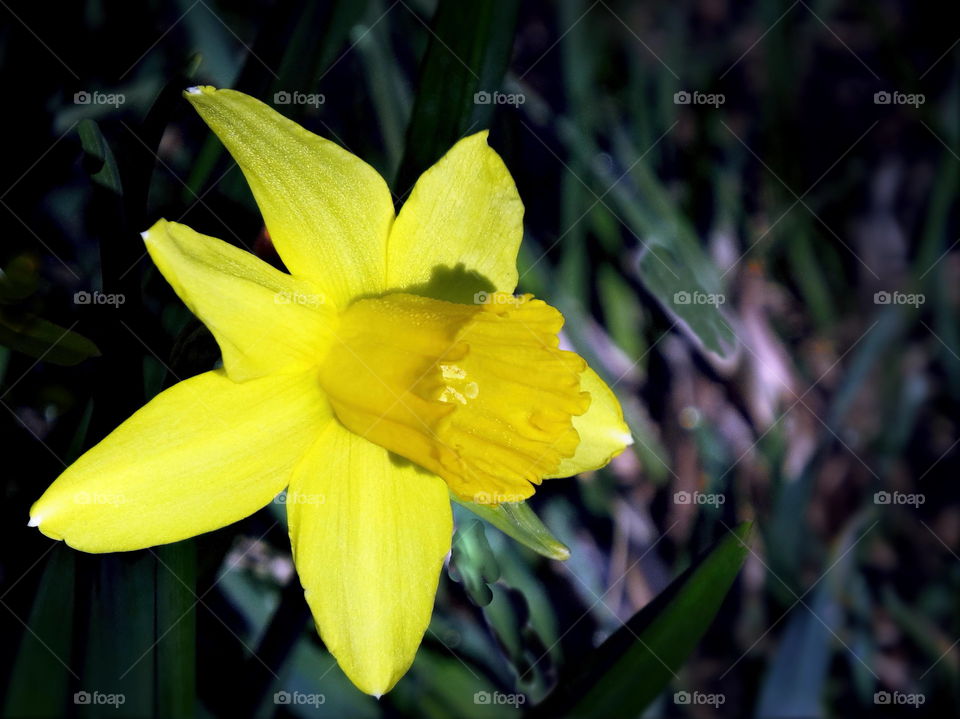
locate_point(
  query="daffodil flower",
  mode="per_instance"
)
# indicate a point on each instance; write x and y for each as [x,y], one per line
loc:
[389,368]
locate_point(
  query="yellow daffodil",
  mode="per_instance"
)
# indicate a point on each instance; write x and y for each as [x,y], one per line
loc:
[390,367]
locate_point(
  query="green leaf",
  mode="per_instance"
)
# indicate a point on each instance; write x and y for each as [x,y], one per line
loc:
[36,337]
[445,688]
[470,46]
[508,616]
[119,649]
[672,264]
[797,672]
[472,563]
[625,673]
[386,83]
[206,30]
[44,655]
[519,521]
[176,629]
[623,314]
[794,684]
[666,271]
[101,164]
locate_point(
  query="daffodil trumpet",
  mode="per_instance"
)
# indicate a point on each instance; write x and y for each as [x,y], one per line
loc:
[391,366]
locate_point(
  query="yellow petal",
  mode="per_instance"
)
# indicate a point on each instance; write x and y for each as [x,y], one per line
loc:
[264,320]
[328,212]
[603,433]
[200,455]
[369,533]
[459,231]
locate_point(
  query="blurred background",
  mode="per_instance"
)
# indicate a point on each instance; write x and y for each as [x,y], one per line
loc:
[747,213]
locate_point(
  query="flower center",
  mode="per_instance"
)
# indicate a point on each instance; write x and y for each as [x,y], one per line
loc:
[478,394]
